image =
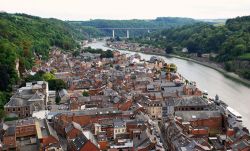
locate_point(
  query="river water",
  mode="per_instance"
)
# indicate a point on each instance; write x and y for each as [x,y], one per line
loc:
[233,93]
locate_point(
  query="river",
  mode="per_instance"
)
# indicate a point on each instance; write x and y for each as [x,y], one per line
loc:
[231,92]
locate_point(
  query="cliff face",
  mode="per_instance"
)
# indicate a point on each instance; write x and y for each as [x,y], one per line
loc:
[17,67]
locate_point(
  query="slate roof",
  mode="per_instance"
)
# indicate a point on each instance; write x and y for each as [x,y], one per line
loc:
[63,93]
[144,140]
[25,94]
[190,101]
[16,101]
[37,97]
[242,144]
[82,143]
[73,125]
[79,142]
[93,112]
[195,115]
[11,131]
[119,123]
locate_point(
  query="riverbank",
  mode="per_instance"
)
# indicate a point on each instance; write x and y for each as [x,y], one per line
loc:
[232,76]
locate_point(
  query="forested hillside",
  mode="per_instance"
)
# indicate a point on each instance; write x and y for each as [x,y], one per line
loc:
[22,37]
[160,22]
[231,42]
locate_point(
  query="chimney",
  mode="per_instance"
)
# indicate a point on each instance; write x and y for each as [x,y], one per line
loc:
[230,132]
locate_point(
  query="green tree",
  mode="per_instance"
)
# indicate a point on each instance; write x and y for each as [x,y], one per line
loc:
[85,93]
[58,99]
[76,53]
[48,76]
[57,84]
[169,49]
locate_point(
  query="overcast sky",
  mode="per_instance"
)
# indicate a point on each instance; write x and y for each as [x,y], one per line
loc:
[127,9]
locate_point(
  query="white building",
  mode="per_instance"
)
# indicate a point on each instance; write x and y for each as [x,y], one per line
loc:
[119,127]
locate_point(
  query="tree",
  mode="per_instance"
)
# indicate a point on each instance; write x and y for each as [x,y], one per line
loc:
[5,77]
[173,67]
[76,53]
[37,77]
[58,99]
[85,93]
[57,84]
[2,114]
[48,76]
[3,99]
[169,49]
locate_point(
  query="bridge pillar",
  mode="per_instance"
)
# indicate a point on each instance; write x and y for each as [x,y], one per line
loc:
[113,33]
[127,33]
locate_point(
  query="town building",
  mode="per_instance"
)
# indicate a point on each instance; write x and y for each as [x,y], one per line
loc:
[31,98]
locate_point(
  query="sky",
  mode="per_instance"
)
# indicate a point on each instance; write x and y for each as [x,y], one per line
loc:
[128,9]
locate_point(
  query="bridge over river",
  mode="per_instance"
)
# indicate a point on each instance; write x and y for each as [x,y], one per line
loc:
[148,30]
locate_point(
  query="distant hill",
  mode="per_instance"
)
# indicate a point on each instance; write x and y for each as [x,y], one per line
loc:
[160,22]
[230,41]
[216,22]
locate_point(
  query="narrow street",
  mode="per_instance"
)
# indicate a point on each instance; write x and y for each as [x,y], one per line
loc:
[156,133]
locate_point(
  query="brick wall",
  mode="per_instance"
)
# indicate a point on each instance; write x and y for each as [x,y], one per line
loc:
[21,112]
[9,141]
[25,130]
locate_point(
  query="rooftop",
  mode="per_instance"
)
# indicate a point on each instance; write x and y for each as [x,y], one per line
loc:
[44,129]
[11,131]
[196,115]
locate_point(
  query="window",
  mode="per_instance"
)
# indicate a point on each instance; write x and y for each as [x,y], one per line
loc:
[19,109]
[27,114]
[14,109]
[27,108]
